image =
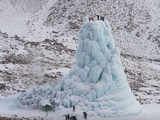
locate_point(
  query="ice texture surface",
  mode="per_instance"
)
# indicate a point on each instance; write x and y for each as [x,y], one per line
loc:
[97,82]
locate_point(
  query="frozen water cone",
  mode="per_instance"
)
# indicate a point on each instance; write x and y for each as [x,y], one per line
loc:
[97,82]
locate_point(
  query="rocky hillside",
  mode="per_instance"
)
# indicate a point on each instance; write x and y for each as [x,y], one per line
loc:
[135,23]
[24,63]
[44,39]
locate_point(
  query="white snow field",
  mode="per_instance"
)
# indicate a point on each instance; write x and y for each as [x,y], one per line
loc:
[9,109]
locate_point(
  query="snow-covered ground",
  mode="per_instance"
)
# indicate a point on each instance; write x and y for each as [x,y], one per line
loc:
[8,109]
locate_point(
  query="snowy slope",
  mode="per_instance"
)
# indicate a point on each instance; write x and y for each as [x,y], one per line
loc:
[24,18]
[135,27]
[135,23]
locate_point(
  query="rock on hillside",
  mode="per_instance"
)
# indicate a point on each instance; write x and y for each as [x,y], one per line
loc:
[135,23]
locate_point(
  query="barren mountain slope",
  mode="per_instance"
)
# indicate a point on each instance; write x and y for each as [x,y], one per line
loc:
[47,35]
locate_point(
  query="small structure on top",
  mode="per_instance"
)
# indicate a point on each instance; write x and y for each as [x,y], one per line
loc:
[97,17]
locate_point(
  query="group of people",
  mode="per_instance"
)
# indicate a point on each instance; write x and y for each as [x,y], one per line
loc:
[73,117]
[98,18]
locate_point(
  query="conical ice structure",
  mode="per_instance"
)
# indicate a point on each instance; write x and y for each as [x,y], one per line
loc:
[97,82]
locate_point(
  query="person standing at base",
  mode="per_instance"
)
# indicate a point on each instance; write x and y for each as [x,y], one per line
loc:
[85,115]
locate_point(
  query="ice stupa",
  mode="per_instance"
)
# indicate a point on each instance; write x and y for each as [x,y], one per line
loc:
[97,82]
